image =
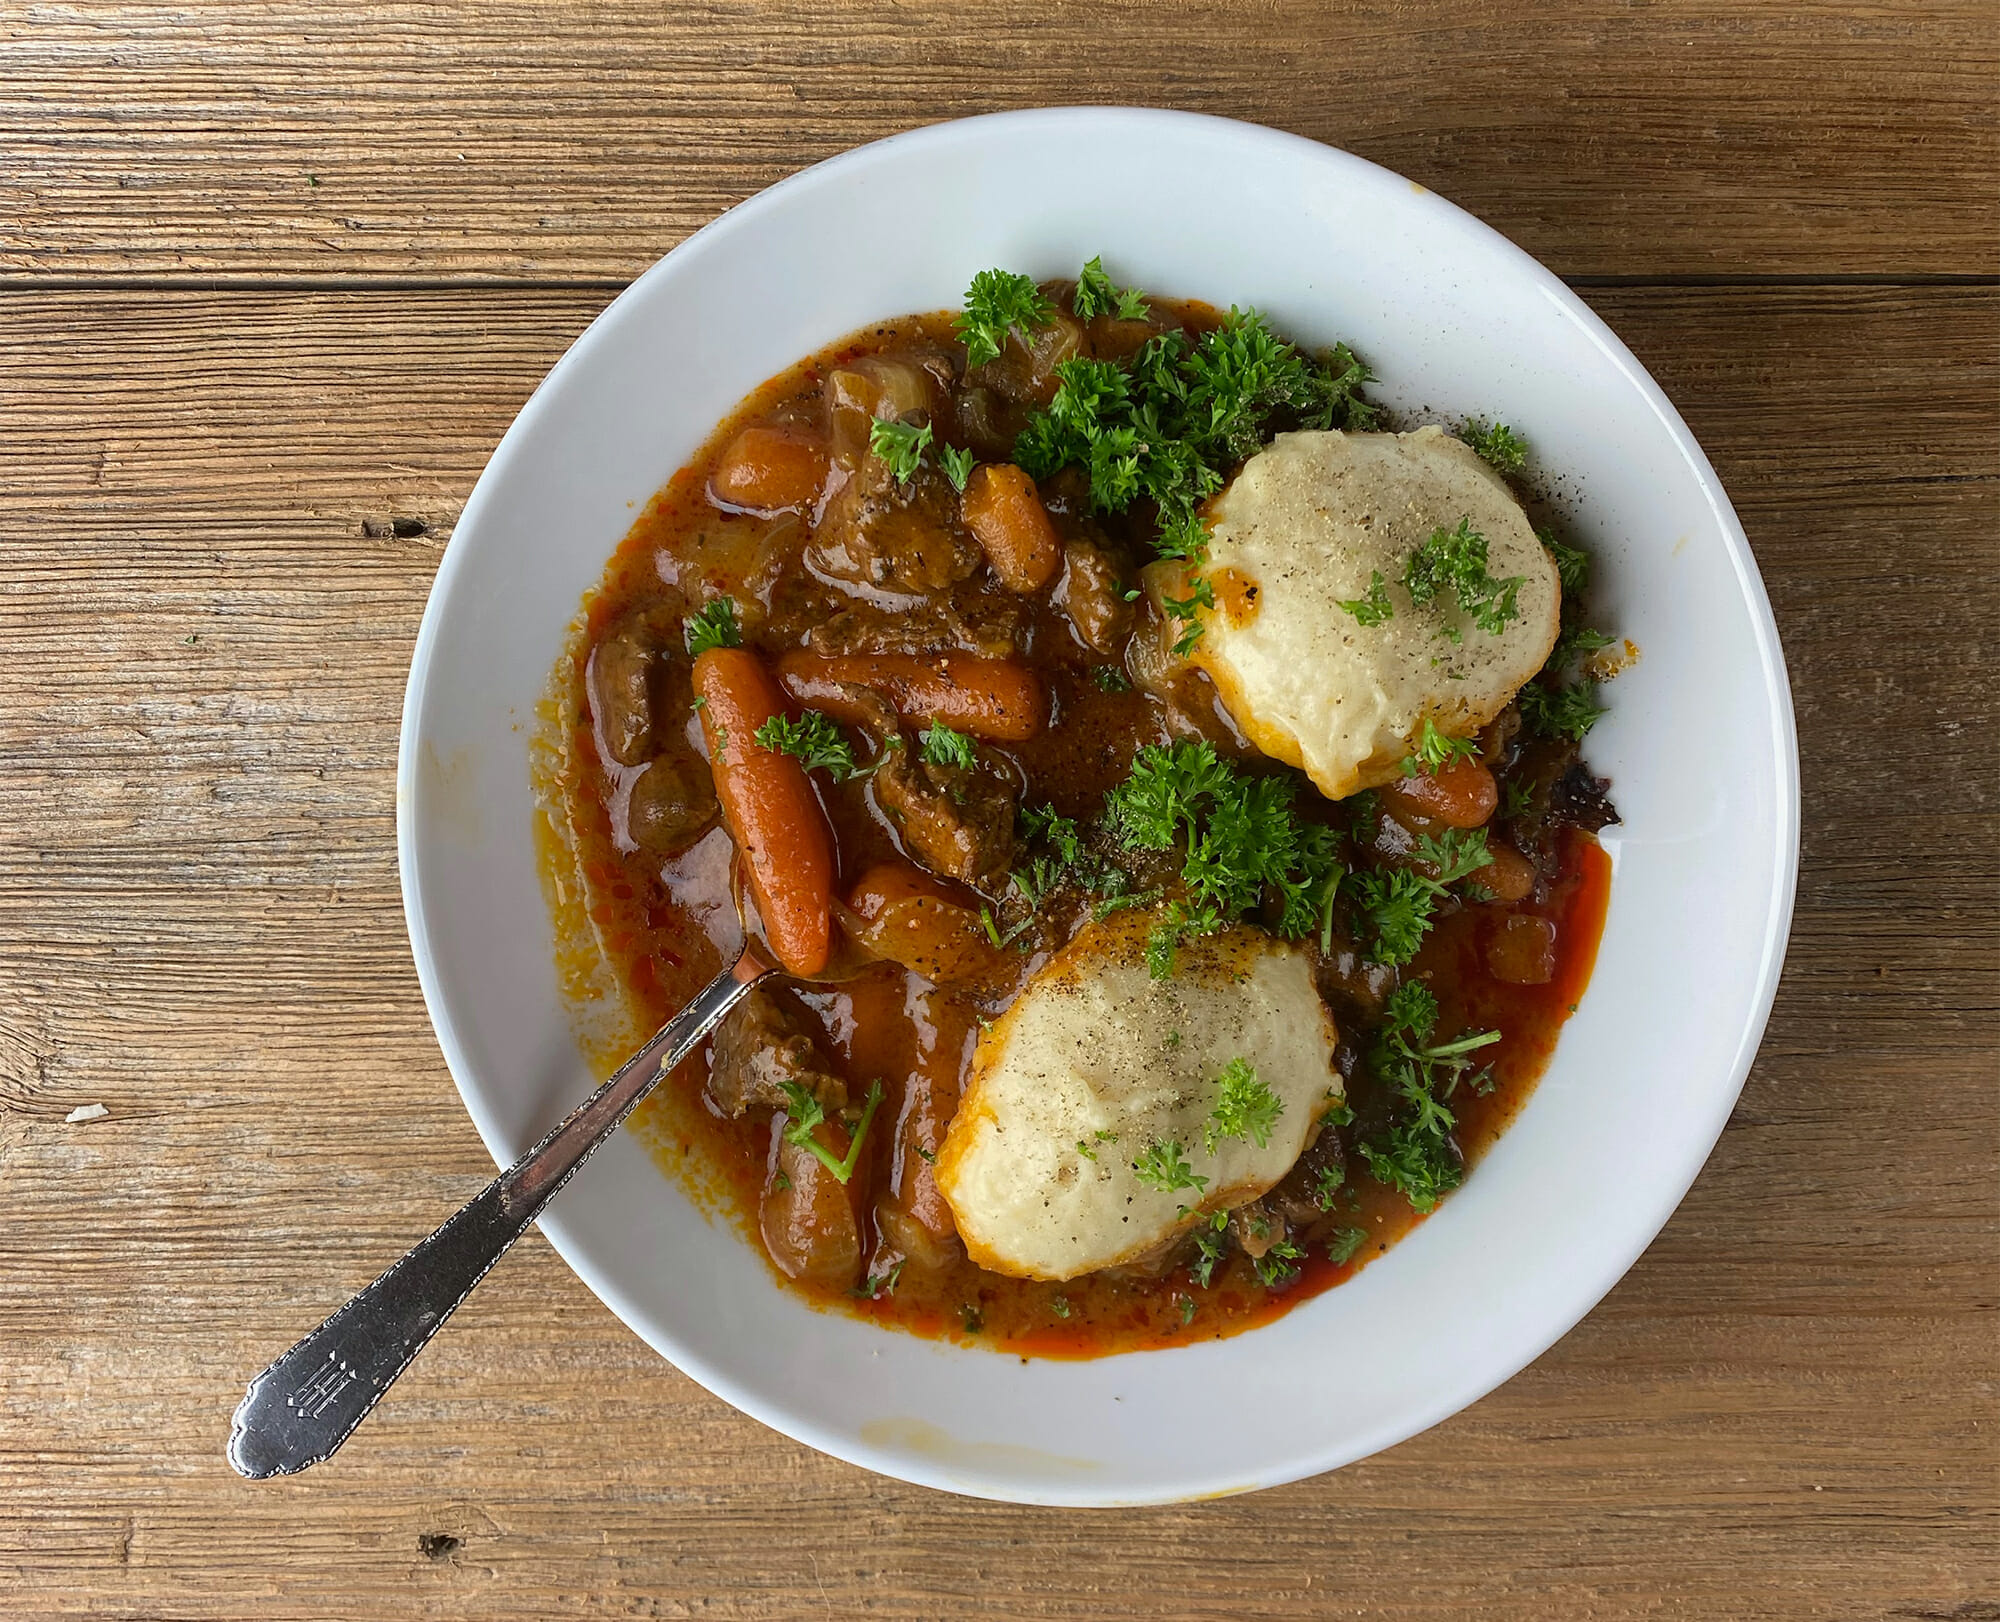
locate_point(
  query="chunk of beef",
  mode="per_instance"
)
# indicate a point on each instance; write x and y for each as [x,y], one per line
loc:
[1092,593]
[988,423]
[1549,788]
[1025,369]
[619,683]
[1256,1228]
[958,821]
[982,625]
[881,533]
[757,1049]
[1304,1198]
[672,801]
[639,686]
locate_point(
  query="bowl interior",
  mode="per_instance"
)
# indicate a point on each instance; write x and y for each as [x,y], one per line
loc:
[1698,745]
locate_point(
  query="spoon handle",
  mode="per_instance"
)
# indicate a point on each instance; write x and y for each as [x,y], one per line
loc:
[308,1402]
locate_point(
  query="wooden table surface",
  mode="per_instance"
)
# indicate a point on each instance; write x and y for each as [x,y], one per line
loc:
[275,275]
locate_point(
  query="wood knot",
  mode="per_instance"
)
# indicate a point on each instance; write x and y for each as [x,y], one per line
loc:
[437,1545]
[402,529]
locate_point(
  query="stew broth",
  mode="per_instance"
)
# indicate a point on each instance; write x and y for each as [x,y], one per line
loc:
[665,923]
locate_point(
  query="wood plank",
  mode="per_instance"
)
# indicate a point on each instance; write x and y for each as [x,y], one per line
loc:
[545,140]
[1783,1411]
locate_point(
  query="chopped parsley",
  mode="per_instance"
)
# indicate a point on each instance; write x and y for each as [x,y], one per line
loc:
[1169,426]
[1178,923]
[1417,1155]
[815,741]
[901,445]
[1163,1167]
[877,1285]
[1397,903]
[1099,1136]
[1187,1309]
[1498,445]
[944,747]
[1244,1107]
[1060,1306]
[1062,860]
[997,302]
[1560,712]
[1553,705]
[1211,1244]
[1363,816]
[1188,611]
[1327,1183]
[1095,295]
[1110,678]
[1278,1265]
[714,627]
[1454,560]
[1240,837]
[1372,607]
[1456,853]
[807,1112]
[1062,835]
[957,464]
[1344,1244]
[1578,643]
[1435,751]
[1572,564]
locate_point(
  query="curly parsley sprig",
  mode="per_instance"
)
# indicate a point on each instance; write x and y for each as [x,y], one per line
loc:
[815,741]
[1163,1167]
[1244,1107]
[807,1113]
[900,445]
[1497,445]
[945,747]
[1095,296]
[716,626]
[1417,1154]
[999,302]
[1454,560]
[1168,426]
[1559,703]
[1240,839]
[1434,751]
[1397,903]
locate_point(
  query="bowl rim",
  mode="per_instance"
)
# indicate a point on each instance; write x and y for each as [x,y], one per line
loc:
[1080,121]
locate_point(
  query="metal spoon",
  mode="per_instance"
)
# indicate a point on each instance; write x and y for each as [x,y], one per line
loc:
[308,1402]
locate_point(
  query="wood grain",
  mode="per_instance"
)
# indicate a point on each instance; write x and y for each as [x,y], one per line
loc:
[1784,1411]
[258,138]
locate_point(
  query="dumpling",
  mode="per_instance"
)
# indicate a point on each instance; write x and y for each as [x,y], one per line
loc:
[1306,525]
[1100,1079]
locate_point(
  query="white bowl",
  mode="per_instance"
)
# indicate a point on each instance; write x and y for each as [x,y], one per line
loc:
[1699,747]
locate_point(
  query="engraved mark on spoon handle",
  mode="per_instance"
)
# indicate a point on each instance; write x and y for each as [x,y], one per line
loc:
[308,1402]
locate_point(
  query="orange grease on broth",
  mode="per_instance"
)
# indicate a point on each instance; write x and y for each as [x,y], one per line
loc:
[885,1021]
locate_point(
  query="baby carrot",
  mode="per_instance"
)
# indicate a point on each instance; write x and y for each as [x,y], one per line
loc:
[769,807]
[989,698]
